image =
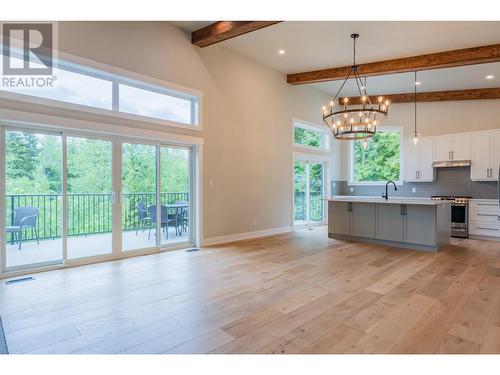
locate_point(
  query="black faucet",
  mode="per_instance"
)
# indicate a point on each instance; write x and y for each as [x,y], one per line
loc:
[386,196]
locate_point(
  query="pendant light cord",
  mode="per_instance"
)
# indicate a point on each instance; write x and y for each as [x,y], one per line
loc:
[351,71]
[415,99]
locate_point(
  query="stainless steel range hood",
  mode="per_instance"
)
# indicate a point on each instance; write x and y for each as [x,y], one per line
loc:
[451,163]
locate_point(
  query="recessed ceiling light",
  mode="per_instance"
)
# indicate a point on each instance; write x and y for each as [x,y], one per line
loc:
[418,83]
[281,51]
[490,77]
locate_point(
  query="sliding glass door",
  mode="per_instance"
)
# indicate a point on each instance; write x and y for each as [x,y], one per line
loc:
[308,192]
[175,182]
[33,200]
[89,197]
[60,204]
[139,196]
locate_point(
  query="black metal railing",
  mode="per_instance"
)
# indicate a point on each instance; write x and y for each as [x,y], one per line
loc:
[88,213]
[317,205]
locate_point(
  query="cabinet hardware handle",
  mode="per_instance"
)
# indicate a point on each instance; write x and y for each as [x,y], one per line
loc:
[416,175]
[401,209]
[487,228]
[488,204]
[487,215]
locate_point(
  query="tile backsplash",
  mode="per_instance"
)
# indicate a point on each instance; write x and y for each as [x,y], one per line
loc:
[449,181]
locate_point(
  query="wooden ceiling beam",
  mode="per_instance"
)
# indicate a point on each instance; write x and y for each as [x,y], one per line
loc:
[223,30]
[434,96]
[460,57]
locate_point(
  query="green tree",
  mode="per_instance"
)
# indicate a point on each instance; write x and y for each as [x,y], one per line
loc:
[380,161]
[307,137]
[89,165]
[174,170]
[22,154]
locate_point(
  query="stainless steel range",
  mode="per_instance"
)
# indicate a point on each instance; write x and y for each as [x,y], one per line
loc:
[459,214]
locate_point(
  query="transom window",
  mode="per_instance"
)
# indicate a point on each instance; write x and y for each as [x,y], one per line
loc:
[88,87]
[380,161]
[305,135]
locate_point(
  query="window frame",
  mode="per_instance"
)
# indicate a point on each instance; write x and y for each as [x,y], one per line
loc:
[326,136]
[117,76]
[382,129]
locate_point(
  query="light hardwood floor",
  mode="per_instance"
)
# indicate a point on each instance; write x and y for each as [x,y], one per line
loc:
[292,293]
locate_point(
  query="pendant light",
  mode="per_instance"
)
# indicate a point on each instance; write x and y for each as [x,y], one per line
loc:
[355,121]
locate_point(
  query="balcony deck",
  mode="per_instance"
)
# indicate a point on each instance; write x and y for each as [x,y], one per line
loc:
[83,246]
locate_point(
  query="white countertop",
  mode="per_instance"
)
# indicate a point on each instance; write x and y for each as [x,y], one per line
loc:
[391,200]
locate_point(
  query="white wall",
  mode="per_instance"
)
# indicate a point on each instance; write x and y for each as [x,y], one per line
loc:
[247,115]
[438,118]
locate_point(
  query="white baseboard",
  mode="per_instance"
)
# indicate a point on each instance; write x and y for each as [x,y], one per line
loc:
[244,236]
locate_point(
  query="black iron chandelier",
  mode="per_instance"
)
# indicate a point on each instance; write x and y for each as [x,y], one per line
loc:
[357,120]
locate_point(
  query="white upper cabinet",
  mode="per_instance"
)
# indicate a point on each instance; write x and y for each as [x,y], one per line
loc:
[426,149]
[461,147]
[495,154]
[411,170]
[485,156]
[454,147]
[481,150]
[442,148]
[419,160]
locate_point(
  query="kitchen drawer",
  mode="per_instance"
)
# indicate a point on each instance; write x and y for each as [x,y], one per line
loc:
[484,224]
[484,217]
[484,206]
[481,229]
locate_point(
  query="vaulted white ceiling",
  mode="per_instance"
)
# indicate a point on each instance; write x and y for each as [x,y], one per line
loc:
[312,45]
[460,78]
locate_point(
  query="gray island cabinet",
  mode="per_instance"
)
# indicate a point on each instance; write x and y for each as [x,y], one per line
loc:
[421,224]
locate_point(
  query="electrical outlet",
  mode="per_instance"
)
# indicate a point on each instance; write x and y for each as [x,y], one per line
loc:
[254,222]
[210,182]
[352,189]
[413,190]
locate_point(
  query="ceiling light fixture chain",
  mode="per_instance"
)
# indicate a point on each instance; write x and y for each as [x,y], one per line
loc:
[355,121]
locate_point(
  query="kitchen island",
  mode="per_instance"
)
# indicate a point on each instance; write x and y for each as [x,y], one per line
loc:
[416,223]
